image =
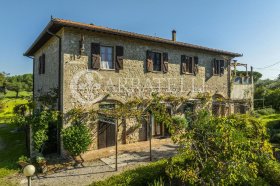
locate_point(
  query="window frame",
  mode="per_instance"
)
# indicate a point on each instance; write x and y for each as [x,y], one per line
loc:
[113,57]
[42,64]
[188,62]
[160,60]
[217,63]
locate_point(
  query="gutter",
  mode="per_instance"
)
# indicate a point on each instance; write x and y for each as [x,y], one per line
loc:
[28,136]
[59,69]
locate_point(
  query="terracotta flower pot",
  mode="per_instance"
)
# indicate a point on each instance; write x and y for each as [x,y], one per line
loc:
[22,164]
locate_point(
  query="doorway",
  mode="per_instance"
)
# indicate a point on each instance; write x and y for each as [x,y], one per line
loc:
[106,134]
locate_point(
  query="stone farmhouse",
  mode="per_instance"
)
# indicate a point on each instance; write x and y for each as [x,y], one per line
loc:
[95,66]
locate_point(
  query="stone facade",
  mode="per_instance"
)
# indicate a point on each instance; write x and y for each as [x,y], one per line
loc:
[133,74]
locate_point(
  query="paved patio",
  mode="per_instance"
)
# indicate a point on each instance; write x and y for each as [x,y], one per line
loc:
[102,168]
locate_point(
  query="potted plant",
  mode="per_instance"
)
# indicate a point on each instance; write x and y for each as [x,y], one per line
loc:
[23,161]
[42,163]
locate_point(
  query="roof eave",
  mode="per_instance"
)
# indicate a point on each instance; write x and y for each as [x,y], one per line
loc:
[28,52]
[32,49]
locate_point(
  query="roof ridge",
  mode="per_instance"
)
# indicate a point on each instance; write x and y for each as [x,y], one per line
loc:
[93,27]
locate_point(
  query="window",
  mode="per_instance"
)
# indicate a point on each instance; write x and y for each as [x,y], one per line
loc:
[156,61]
[106,57]
[42,60]
[218,67]
[187,65]
[156,57]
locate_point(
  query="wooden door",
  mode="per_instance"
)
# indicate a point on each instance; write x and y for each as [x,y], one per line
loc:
[143,131]
[106,135]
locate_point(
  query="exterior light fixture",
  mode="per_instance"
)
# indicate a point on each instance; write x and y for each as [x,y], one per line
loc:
[28,171]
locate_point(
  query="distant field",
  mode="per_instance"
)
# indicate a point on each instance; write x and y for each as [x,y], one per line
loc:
[270,119]
[10,101]
[12,94]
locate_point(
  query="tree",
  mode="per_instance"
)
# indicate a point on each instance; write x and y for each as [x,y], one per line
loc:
[269,90]
[222,151]
[19,83]
[15,86]
[76,139]
[256,75]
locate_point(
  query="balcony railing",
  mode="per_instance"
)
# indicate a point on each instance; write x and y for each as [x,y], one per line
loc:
[242,80]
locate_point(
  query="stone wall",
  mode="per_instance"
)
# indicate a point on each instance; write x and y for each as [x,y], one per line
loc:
[172,83]
[134,66]
[44,82]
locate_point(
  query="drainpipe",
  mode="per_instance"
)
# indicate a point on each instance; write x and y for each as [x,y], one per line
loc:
[28,136]
[59,89]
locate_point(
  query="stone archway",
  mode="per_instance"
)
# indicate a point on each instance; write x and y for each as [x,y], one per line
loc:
[219,105]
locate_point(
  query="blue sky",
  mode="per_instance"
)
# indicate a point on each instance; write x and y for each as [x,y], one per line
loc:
[251,27]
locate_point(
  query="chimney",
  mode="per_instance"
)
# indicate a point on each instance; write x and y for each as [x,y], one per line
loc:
[173,35]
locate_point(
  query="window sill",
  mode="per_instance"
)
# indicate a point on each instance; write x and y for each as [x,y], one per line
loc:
[157,72]
[218,74]
[187,73]
[90,69]
[105,69]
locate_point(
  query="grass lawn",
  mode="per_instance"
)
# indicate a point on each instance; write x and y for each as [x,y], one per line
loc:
[268,119]
[12,142]
[13,146]
[10,102]
[22,94]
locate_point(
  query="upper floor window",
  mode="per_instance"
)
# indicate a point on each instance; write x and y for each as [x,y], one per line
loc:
[42,64]
[156,61]
[218,67]
[102,57]
[106,57]
[187,65]
[156,57]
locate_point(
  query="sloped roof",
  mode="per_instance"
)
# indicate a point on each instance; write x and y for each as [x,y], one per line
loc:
[56,24]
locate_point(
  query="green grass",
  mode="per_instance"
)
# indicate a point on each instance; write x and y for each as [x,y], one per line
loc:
[14,147]
[270,119]
[10,101]
[22,94]
[9,104]
[139,176]
[13,140]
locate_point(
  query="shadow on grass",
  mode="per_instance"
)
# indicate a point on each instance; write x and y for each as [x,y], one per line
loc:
[14,148]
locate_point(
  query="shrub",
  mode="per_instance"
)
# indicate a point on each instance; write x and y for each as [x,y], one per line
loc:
[20,109]
[138,176]
[264,111]
[157,182]
[220,151]
[76,139]
[270,170]
[275,138]
[23,159]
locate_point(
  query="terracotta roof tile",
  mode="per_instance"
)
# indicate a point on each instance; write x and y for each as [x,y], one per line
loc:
[58,23]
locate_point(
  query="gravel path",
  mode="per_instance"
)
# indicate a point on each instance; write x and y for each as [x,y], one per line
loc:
[99,169]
